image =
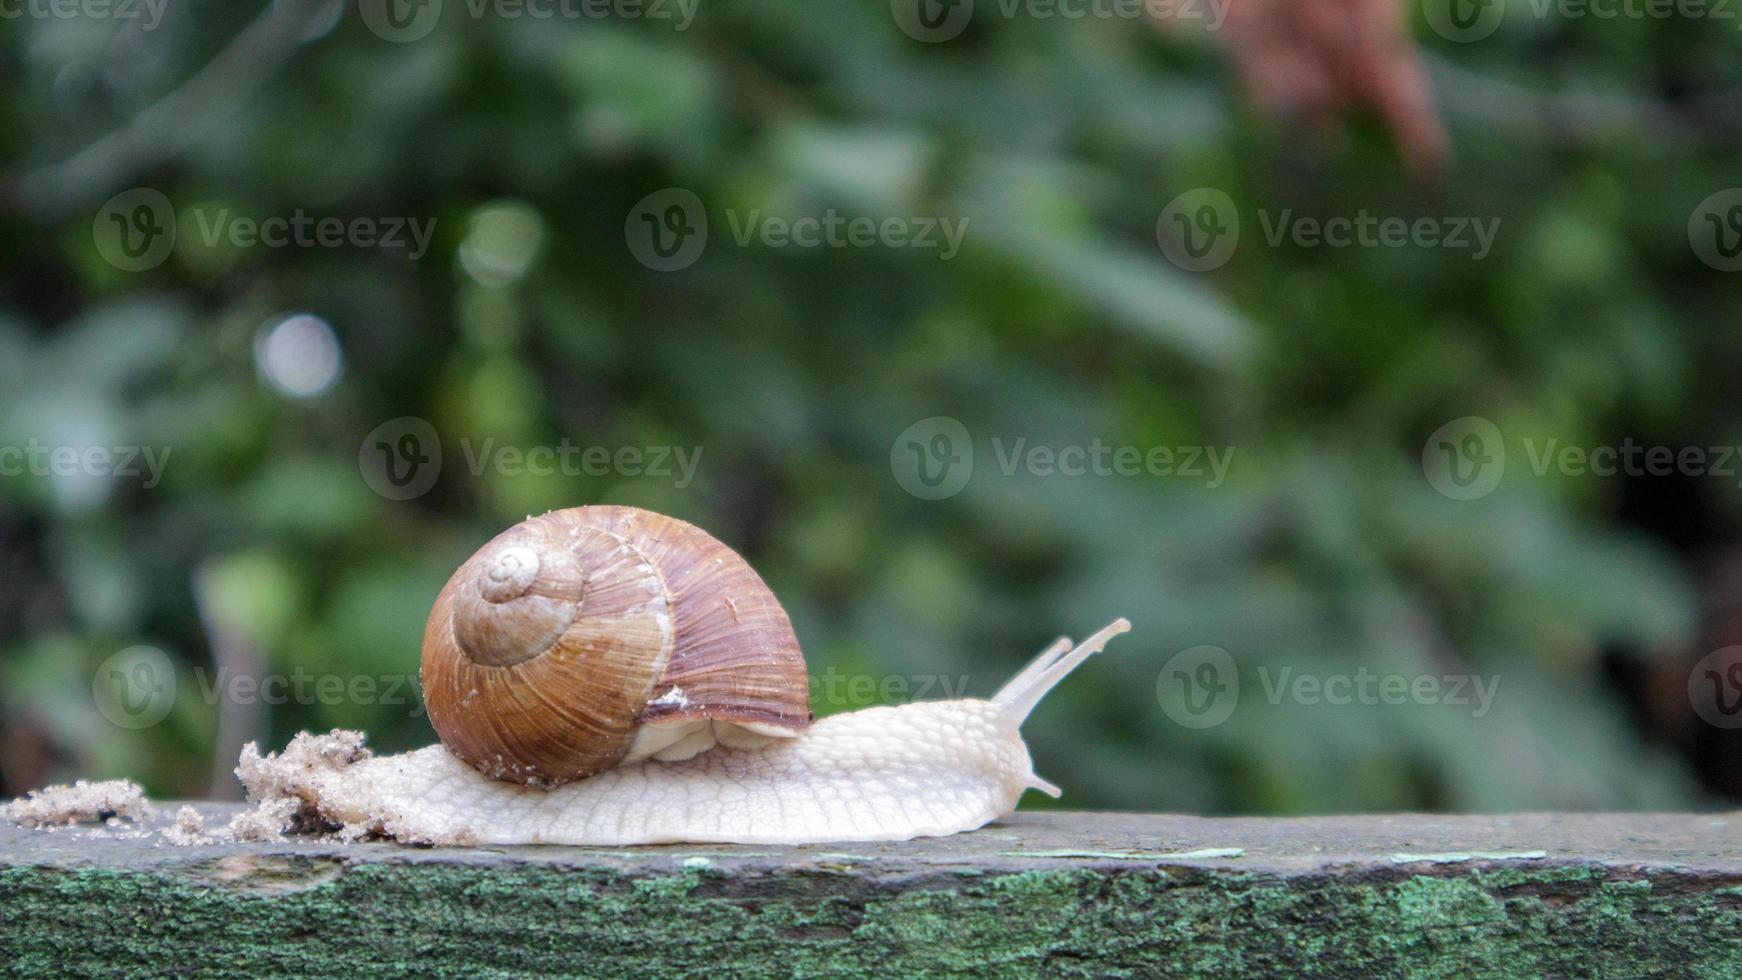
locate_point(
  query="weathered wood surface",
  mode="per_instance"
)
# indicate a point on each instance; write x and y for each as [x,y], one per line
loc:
[1050,893]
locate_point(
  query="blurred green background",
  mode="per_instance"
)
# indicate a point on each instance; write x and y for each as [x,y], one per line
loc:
[266,374]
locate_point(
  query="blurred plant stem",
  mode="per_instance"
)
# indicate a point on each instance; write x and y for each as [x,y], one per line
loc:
[209,99]
[240,720]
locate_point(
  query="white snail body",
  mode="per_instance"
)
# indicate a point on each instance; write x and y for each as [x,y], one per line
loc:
[884,773]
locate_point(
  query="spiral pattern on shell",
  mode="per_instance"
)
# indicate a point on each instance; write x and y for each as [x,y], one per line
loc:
[578,637]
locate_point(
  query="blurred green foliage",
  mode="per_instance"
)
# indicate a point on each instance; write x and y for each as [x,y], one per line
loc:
[530,322]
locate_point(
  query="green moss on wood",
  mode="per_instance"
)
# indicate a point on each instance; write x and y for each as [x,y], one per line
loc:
[326,916]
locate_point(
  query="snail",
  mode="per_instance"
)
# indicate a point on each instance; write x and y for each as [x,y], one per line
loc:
[596,636]
[610,676]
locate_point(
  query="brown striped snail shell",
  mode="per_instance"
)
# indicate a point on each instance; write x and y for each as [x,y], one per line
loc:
[594,636]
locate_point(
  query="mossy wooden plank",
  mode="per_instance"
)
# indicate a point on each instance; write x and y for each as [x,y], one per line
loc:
[1059,893]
